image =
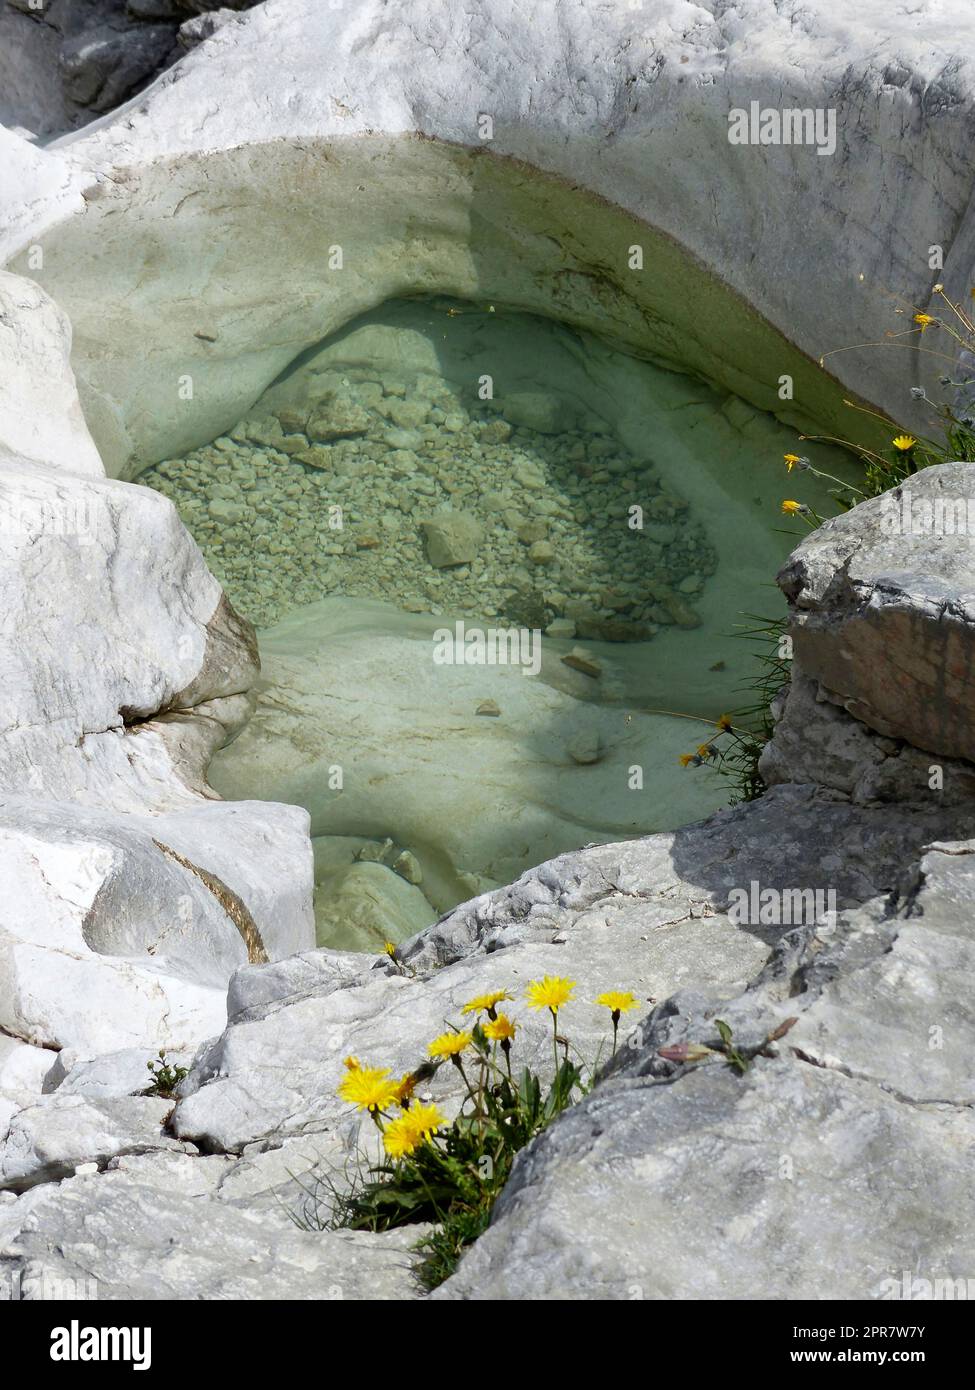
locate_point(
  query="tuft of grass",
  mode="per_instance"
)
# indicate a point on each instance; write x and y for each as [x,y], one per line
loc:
[737,751]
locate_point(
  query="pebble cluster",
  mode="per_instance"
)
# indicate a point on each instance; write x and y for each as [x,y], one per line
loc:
[407,492]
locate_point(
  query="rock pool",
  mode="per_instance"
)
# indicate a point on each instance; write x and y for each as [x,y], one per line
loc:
[436,475]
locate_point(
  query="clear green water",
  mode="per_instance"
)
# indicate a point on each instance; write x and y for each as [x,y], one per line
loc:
[441,460]
[326,486]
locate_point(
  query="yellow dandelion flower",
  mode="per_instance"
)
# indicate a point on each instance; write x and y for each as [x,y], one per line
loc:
[904,442]
[449,1044]
[389,948]
[399,1136]
[724,723]
[549,993]
[369,1088]
[790,461]
[484,1002]
[690,760]
[618,1001]
[404,1135]
[500,1029]
[704,750]
[424,1119]
[790,508]
[924,321]
[352,1064]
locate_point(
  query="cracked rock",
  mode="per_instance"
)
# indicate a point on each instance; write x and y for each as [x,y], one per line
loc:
[116,1229]
[882,605]
[49,1140]
[833,1164]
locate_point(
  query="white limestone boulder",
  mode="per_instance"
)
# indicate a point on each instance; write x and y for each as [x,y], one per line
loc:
[134,893]
[48,1141]
[22,1066]
[623,140]
[40,415]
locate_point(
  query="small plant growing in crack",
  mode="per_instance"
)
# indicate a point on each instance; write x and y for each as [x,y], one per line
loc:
[737,1056]
[165,1077]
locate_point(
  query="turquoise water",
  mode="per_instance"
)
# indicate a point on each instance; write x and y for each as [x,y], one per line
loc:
[441,462]
[406,486]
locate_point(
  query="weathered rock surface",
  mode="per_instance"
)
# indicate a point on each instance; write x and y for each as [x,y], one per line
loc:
[49,1140]
[40,416]
[651,915]
[155,1228]
[824,1172]
[31,99]
[109,936]
[133,892]
[204,26]
[649,137]
[882,603]
[816,740]
[103,65]
[22,1066]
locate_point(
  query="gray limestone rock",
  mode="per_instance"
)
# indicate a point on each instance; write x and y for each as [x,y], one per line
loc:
[829,1168]
[882,603]
[158,1230]
[49,1140]
[452,538]
[101,66]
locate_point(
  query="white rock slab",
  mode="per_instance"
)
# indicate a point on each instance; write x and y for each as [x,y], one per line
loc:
[40,415]
[629,102]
